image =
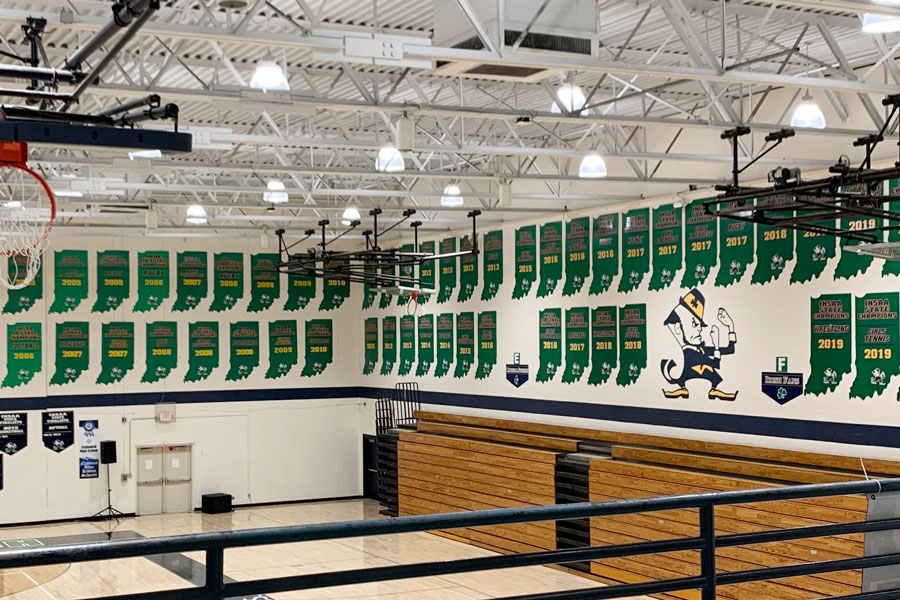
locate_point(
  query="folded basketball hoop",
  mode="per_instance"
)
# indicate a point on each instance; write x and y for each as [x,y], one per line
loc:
[27,212]
[885,250]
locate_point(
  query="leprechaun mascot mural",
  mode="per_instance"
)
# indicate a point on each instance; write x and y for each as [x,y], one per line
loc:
[702,347]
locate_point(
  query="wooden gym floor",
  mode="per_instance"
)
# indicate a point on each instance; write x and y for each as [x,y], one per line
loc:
[135,575]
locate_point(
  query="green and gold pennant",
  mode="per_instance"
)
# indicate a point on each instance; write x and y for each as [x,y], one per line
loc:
[487,343]
[492,264]
[426,344]
[265,281]
[113,280]
[73,341]
[228,280]
[191,280]
[203,350]
[667,245]
[700,244]
[117,352]
[551,251]
[447,280]
[370,349]
[852,263]
[152,280]
[604,252]
[877,343]
[468,270]
[465,344]
[774,245]
[244,342]
[550,343]
[577,346]
[830,355]
[319,346]
[814,250]
[22,299]
[335,289]
[407,344]
[24,355]
[445,344]
[162,350]
[635,248]
[70,280]
[301,289]
[603,344]
[632,343]
[735,249]
[282,348]
[526,260]
[388,344]
[426,270]
[578,255]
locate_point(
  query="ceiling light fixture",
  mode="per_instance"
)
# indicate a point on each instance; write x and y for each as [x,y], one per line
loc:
[275,193]
[571,98]
[351,213]
[808,114]
[145,154]
[592,167]
[196,215]
[873,23]
[12,204]
[451,197]
[68,194]
[389,160]
[269,75]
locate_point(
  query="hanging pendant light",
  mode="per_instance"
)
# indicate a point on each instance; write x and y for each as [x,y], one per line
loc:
[873,23]
[808,114]
[389,160]
[275,193]
[351,213]
[451,197]
[269,75]
[592,167]
[572,98]
[196,215]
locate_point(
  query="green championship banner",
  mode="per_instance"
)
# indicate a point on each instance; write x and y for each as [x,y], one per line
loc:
[700,248]
[203,350]
[577,348]
[244,350]
[319,346]
[113,280]
[282,348]
[24,357]
[191,280]
[635,248]
[774,245]
[603,344]
[153,279]
[370,349]
[892,267]
[735,249]
[632,343]
[407,344]
[604,252]
[448,271]
[162,350]
[551,258]
[578,259]
[445,344]
[465,343]
[21,300]
[830,355]
[228,280]
[877,343]
[369,293]
[265,281]
[426,344]
[334,289]
[492,264]
[550,340]
[301,289]
[666,245]
[407,274]
[117,352]
[70,280]
[526,260]
[487,343]
[426,270]
[72,351]
[851,263]
[388,344]
[390,272]
[468,270]
[814,250]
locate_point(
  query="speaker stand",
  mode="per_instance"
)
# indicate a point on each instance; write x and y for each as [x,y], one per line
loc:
[109,512]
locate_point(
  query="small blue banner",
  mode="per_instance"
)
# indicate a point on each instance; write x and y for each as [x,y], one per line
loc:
[517,374]
[782,387]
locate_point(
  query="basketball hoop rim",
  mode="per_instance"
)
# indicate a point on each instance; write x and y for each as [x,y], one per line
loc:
[46,186]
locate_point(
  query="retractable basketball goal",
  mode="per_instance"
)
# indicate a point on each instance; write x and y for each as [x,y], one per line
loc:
[27,212]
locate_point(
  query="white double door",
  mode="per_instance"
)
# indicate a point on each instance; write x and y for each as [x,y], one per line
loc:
[163,479]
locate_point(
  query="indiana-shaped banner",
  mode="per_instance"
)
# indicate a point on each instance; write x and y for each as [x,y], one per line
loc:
[487,343]
[426,344]
[301,289]
[426,270]
[116,352]
[203,350]
[892,267]
[526,260]
[700,247]
[191,280]
[228,280]
[635,248]
[830,355]
[577,348]
[406,272]
[335,289]
[603,344]
[265,281]
[244,341]
[774,245]
[407,344]
[445,344]
[72,351]
[23,353]
[604,252]
[113,280]
[468,270]
[162,350]
[666,245]
[282,348]
[551,252]
[632,343]
[21,300]
[70,280]
[814,250]
[550,340]
[492,264]
[447,280]
[578,255]
[465,343]
[388,344]
[153,279]
[370,348]
[388,276]
[319,346]
[853,263]
[369,289]
[877,343]
[735,249]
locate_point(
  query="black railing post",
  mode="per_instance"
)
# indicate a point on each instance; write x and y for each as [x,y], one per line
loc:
[215,571]
[708,551]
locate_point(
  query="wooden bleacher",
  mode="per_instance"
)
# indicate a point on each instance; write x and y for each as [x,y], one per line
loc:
[455,463]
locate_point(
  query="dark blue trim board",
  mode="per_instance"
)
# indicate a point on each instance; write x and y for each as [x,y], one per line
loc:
[823,431]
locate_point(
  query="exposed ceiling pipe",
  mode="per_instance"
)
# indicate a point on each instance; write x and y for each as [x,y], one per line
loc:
[124,13]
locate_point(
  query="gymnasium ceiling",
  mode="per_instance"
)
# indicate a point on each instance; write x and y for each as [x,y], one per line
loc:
[666,77]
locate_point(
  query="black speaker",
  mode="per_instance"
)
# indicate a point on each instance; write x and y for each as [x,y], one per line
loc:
[108,452]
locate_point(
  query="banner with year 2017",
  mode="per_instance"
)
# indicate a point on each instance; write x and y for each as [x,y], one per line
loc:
[577,348]
[667,244]
[635,248]
[89,449]
[700,248]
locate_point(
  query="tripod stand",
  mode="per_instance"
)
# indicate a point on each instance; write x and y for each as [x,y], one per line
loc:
[109,512]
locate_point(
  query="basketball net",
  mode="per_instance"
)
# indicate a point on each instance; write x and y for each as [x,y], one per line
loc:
[412,305]
[27,212]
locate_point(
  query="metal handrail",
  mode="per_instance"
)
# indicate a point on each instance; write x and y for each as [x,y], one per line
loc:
[215,544]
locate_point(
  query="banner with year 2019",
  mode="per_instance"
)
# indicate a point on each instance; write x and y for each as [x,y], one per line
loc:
[89,449]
